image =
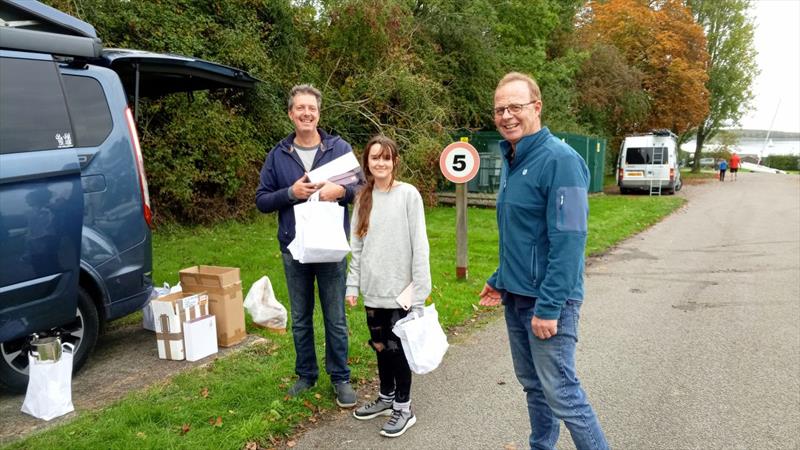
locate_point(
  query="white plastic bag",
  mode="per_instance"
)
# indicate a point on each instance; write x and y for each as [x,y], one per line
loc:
[319,235]
[424,341]
[264,308]
[148,321]
[49,393]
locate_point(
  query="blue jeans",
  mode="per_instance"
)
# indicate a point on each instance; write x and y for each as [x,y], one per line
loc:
[330,278]
[546,370]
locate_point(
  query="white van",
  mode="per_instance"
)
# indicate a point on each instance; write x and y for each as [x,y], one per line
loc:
[649,162]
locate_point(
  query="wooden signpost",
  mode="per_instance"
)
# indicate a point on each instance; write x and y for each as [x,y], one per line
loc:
[459,163]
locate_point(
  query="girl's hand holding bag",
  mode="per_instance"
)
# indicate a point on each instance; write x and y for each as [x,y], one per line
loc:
[424,341]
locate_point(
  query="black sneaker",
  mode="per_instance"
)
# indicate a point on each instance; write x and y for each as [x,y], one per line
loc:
[375,408]
[400,421]
[300,386]
[345,395]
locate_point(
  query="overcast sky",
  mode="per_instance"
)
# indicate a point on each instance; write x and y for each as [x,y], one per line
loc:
[777,41]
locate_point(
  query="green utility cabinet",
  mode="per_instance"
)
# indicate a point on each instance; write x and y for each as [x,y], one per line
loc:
[591,148]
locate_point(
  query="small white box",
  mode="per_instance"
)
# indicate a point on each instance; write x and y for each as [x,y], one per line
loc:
[200,337]
[170,312]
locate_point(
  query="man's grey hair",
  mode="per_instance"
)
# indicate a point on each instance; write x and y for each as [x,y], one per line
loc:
[533,87]
[305,89]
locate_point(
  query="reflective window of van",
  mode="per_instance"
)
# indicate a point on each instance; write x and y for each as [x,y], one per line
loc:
[33,114]
[645,155]
[88,108]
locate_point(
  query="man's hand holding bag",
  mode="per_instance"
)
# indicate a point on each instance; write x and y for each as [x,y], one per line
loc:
[319,234]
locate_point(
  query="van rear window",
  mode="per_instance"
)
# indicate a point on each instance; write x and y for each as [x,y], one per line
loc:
[89,110]
[646,155]
[33,114]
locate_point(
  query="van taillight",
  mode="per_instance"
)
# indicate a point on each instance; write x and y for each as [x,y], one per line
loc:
[137,154]
[671,174]
[621,174]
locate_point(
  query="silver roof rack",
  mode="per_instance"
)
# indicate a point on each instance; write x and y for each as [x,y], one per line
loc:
[28,25]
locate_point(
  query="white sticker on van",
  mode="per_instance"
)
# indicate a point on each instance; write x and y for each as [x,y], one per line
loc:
[64,140]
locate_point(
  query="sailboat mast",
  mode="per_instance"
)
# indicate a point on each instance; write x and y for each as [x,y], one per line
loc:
[766,139]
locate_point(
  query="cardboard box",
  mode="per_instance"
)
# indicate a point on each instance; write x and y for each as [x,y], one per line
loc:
[201,277]
[227,304]
[200,337]
[225,297]
[169,312]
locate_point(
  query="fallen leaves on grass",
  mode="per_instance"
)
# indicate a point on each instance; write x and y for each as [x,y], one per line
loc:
[185,429]
[215,422]
[204,392]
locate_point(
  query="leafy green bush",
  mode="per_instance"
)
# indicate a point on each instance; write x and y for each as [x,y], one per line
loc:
[783,162]
[414,71]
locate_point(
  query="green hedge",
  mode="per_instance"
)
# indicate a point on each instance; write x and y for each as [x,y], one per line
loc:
[412,70]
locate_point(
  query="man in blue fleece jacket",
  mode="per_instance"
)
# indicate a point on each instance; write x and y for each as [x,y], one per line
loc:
[284,183]
[542,212]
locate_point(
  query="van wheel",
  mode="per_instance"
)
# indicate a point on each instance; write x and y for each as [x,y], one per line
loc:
[81,332]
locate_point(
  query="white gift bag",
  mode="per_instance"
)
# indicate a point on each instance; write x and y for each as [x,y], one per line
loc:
[49,393]
[319,235]
[263,307]
[424,341]
[148,321]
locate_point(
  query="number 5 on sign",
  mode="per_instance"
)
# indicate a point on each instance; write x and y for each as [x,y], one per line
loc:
[459,163]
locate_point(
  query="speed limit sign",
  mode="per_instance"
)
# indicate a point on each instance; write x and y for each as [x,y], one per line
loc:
[459,162]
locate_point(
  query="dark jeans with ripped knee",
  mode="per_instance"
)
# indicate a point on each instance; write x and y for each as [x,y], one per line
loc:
[393,370]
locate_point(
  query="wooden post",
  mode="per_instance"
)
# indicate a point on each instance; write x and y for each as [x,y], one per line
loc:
[461,231]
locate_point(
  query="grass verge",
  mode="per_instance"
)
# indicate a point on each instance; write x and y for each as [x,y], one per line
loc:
[239,400]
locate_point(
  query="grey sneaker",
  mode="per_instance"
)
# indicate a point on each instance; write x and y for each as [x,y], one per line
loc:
[399,422]
[345,395]
[375,408]
[299,386]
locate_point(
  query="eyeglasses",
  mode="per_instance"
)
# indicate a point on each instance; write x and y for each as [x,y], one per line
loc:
[514,108]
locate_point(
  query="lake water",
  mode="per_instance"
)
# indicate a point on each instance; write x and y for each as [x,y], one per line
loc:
[755,147]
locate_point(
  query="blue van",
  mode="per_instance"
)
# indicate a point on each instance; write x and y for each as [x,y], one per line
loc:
[75,213]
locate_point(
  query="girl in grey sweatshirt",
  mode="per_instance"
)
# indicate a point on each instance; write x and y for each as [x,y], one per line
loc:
[389,254]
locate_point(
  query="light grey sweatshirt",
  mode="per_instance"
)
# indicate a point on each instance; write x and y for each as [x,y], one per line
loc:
[394,252]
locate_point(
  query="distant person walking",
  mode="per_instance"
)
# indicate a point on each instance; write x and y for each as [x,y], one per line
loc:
[542,215]
[723,166]
[389,253]
[736,161]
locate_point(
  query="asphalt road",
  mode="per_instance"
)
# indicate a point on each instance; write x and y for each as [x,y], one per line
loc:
[689,339]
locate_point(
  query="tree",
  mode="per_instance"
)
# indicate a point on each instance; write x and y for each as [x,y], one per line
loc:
[660,39]
[612,98]
[731,65]
[528,35]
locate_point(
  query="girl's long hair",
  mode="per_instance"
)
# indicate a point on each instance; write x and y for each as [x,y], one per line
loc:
[364,199]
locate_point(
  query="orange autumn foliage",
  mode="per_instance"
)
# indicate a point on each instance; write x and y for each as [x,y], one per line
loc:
[661,39]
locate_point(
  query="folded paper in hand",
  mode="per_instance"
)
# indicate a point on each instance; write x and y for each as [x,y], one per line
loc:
[340,166]
[349,177]
[404,299]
